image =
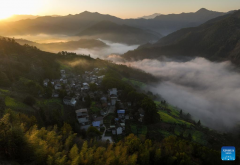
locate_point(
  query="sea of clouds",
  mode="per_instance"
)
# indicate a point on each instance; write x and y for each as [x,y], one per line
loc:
[209,91]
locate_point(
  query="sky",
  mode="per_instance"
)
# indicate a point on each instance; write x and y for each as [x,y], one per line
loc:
[119,8]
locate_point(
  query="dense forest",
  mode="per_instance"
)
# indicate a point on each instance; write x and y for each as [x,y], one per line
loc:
[36,131]
[23,142]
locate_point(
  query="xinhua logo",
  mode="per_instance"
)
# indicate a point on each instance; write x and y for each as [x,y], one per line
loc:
[228,153]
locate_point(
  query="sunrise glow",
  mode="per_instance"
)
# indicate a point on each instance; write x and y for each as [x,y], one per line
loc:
[12,7]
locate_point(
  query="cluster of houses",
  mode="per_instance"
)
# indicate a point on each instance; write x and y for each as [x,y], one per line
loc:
[75,86]
[77,89]
[118,126]
[84,119]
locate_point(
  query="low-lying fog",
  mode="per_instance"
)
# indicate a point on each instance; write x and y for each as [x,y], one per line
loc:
[208,91]
[113,48]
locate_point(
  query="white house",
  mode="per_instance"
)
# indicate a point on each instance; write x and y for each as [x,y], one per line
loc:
[119,130]
[69,101]
[103,99]
[113,95]
[123,126]
[141,114]
[58,87]
[101,77]
[64,81]
[62,71]
[112,91]
[113,99]
[55,94]
[85,86]
[83,118]
[45,82]
[63,76]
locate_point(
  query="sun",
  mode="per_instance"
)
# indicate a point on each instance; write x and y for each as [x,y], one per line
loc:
[4,15]
[19,7]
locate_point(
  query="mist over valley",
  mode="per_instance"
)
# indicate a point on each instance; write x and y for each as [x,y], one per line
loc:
[119,82]
[209,91]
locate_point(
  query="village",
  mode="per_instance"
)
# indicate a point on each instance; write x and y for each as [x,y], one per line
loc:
[106,112]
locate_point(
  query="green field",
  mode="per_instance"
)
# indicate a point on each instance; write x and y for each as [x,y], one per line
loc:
[63,66]
[169,119]
[135,82]
[4,91]
[12,103]
[24,80]
[172,117]
[174,111]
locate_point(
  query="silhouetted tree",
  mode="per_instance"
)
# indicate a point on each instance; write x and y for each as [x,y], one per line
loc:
[199,123]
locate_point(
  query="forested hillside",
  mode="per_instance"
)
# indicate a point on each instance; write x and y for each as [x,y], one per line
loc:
[217,39]
[38,129]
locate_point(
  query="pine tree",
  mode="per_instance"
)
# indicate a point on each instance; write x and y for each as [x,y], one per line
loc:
[73,152]
[199,123]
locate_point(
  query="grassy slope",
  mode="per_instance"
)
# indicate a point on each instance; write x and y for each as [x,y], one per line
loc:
[172,117]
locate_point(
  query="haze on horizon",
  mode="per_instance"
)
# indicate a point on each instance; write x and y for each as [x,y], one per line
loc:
[122,9]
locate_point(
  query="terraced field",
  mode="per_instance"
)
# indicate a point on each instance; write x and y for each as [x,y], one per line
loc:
[170,119]
[172,116]
[12,103]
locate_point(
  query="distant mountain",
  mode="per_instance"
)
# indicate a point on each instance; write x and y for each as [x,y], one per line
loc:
[201,15]
[217,39]
[23,17]
[64,46]
[69,25]
[166,24]
[20,17]
[119,33]
[73,24]
[150,16]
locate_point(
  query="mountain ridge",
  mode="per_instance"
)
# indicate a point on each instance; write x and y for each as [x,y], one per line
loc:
[108,30]
[72,24]
[217,39]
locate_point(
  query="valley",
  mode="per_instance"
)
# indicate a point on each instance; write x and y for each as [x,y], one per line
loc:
[96,88]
